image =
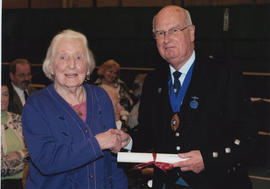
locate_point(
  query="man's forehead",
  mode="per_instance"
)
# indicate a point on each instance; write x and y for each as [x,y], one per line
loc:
[22,67]
[173,17]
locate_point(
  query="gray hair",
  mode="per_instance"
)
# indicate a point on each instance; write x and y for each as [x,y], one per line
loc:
[187,14]
[47,63]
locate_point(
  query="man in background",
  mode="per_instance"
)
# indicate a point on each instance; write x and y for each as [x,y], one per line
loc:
[20,78]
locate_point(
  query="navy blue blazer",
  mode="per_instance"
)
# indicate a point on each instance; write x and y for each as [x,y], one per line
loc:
[63,149]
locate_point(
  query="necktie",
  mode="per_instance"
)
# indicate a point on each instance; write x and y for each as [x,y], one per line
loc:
[25,95]
[177,84]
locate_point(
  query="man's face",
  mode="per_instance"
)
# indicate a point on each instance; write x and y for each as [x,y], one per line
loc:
[176,43]
[22,77]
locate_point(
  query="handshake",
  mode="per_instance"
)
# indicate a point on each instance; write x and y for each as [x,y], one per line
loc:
[113,139]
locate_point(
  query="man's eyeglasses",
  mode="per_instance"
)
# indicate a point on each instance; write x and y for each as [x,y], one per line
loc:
[23,75]
[172,31]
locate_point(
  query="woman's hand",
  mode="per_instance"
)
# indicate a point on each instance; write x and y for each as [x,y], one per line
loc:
[110,139]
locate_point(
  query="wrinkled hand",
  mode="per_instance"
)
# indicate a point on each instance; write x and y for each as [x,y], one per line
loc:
[194,163]
[110,139]
[125,138]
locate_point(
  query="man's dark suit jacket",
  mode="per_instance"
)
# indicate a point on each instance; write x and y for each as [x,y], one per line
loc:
[220,127]
[15,104]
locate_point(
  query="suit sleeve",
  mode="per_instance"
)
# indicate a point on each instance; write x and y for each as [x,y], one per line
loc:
[238,118]
[144,139]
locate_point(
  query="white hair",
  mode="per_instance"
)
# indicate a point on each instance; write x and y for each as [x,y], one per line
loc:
[47,63]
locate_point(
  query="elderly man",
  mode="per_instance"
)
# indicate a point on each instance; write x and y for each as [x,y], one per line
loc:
[20,77]
[195,108]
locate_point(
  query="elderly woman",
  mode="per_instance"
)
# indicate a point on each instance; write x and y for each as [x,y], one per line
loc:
[109,75]
[69,126]
[13,150]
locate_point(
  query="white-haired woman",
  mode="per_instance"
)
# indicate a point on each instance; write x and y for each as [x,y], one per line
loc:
[69,126]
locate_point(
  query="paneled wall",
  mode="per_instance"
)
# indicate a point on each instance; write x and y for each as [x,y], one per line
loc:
[122,33]
[13,4]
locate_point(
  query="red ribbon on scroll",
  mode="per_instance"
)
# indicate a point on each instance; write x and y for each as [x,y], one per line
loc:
[163,166]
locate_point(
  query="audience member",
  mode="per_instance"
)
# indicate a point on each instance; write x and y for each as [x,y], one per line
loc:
[120,117]
[137,90]
[13,150]
[19,89]
[195,108]
[69,126]
[109,74]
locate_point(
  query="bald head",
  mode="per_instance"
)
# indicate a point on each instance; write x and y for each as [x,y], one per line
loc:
[173,11]
[174,34]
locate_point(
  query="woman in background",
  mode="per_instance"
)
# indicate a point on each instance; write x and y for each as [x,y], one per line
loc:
[109,75]
[13,150]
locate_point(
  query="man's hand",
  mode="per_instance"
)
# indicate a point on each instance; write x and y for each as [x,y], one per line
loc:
[193,163]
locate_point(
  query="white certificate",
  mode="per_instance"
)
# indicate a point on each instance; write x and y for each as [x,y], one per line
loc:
[132,157]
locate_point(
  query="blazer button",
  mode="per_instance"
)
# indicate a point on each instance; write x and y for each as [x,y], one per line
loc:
[178,148]
[177,134]
[86,130]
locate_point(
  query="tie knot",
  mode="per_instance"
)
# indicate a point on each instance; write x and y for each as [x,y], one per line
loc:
[176,75]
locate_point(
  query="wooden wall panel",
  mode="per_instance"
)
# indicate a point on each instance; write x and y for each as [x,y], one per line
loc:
[46,4]
[83,3]
[13,4]
[151,3]
[106,3]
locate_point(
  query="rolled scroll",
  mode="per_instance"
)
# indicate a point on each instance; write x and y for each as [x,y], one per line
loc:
[132,157]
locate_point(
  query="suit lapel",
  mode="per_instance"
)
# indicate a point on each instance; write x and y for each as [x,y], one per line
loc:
[195,87]
[17,100]
[165,91]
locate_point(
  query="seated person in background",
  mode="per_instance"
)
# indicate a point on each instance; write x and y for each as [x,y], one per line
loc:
[19,89]
[13,150]
[109,73]
[120,117]
[137,90]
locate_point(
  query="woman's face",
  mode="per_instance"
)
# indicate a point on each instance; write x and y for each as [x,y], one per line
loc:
[4,98]
[110,75]
[70,64]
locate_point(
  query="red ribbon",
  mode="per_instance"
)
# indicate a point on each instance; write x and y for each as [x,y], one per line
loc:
[163,166]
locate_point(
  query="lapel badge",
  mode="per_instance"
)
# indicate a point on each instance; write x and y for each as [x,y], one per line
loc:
[194,103]
[159,90]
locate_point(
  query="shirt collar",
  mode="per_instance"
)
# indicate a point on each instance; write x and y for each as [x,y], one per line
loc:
[18,90]
[186,66]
